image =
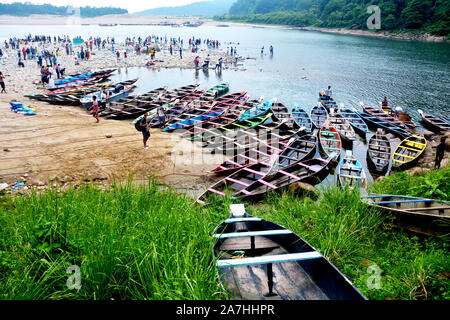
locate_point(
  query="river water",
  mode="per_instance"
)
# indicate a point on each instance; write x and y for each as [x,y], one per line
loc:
[411,74]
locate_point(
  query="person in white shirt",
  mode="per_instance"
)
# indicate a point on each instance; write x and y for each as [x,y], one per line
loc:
[328,92]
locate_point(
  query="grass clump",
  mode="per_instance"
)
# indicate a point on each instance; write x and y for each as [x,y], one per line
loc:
[130,242]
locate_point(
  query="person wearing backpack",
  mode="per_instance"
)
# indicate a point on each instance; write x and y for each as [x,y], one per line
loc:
[142,126]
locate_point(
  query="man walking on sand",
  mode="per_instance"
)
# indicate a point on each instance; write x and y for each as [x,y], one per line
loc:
[142,126]
[440,150]
[94,108]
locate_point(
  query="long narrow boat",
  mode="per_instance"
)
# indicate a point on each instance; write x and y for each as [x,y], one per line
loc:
[327,102]
[301,118]
[208,136]
[408,152]
[256,110]
[350,172]
[379,152]
[311,171]
[262,153]
[374,121]
[218,90]
[425,216]
[356,121]
[329,139]
[179,106]
[227,117]
[342,126]
[218,106]
[302,147]
[249,251]
[112,95]
[281,112]
[382,116]
[268,133]
[319,115]
[434,123]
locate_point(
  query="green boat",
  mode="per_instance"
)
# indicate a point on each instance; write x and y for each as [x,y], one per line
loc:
[237,125]
[219,89]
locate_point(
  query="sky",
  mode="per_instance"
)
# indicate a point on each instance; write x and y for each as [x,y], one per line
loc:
[131,5]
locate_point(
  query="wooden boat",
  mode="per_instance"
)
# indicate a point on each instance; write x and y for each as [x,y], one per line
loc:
[235,182]
[281,112]
[328,103]
[374,121]
[242,140]
[356,121]
[330,141]
[424,216]
[301,118]
[350,172]
[179,106]
[342,126]
[229,116]
[218,106]
[379,152]
[279,178]
[302,147]
[151,100]
[434,123]
[262,153]
[319,115]
[218,90]
[408,152]
[256,111]
[112,95]
[382,116]
[248,252]
[208,136]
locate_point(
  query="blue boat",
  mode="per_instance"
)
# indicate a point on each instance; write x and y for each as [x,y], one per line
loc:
[186,124]
[388,127]
[256,111]
[113,95]
[302,118]
[355,120]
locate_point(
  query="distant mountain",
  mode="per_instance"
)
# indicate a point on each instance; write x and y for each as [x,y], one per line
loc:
[26,9]
[203,8]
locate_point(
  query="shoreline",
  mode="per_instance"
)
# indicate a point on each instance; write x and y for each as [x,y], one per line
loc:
[160,20]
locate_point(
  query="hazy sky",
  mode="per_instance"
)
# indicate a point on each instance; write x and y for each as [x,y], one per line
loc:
[131,5]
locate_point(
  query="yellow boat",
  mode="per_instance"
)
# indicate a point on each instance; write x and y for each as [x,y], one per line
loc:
[408,152]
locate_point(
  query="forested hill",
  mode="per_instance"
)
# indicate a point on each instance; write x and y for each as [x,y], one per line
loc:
[425,15]
[26,9]
[203,8]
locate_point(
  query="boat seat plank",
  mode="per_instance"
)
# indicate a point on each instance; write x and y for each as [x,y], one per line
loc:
[427,208]
[403,201]
[252,234]
[248,219]
[269,259]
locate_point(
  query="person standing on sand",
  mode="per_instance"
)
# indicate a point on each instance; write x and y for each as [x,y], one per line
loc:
[2,82]
[440,150]
[142,126]
[161,116]
[94,108]
[125,57]
[181,53]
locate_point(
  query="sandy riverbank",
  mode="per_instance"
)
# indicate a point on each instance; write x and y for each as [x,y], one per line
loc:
[60,145]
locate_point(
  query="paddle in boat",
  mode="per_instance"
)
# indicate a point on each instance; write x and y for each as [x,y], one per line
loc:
[258,260]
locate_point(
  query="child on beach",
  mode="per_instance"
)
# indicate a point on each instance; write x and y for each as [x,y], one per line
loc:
[94,108]
[2,82]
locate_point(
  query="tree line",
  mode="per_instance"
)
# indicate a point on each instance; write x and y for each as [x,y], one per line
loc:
[26,9]
[425,15]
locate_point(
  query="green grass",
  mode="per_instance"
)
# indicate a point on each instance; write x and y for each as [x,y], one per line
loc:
[131,242]
[139,242]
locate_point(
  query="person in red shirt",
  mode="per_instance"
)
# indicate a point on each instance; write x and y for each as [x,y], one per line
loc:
[94,108]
